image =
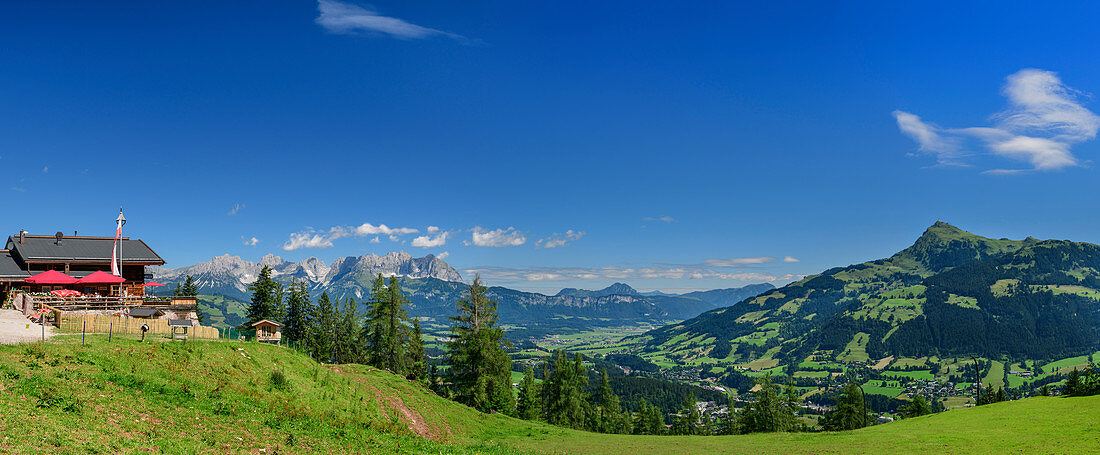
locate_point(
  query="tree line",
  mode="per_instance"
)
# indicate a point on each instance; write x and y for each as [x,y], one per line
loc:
[385,337]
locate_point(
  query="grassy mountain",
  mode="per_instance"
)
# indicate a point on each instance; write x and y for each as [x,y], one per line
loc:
[230,397]
[951,293]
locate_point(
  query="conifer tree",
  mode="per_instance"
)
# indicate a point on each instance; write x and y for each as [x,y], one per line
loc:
[610,415]
[299,310]
[386,331]
[1073,382]
[346,343]
[529,402]
[267,298]
[417,357]
[849,412]
[916,407]
[563,392]
[189,288]
[481,369]
[685,422]
[325,317]
[769,412]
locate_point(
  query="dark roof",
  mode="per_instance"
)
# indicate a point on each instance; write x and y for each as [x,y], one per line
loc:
[144,312]
[261,321]
[9,269]
[180,323]
[44,248]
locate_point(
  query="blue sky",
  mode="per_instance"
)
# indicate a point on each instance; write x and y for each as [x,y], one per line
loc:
[672,147]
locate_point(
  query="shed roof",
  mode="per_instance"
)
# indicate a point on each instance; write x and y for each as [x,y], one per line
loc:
[180,323]
[9,269]
[144,311]
[46,248]
[268,321]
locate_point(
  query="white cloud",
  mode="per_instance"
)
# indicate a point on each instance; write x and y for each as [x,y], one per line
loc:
[427,241]
[738,262]
[557,240]
[310,239]
[623,273]
[496,237]
[790,259]
[347,19]
[1043,121]
[370,229]
[251,242]
[929,138]
[443,255]
[375,240]
[235,209]
[665,218]
[433,229]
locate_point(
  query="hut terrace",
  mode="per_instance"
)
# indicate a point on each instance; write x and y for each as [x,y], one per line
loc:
[26,255]
[40,272]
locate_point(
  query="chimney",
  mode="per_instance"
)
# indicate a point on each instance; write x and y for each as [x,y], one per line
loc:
[22,235]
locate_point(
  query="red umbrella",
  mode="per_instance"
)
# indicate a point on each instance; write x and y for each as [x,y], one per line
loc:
[153,283]
[50,277]
[65,293]
[101,277]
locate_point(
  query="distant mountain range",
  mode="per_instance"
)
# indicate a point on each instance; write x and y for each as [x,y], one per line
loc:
[951,293]
[433,287]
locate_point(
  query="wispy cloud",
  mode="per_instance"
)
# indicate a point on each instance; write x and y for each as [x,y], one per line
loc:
[443,255]
[250,242]
[311,238]
[738,262]
[556,240]
[624,273]
[791,259]
[1044,119]
[235,209]
[496,237]
[664,218]
[45,169]
[346,18]
[19,189]
[431,241]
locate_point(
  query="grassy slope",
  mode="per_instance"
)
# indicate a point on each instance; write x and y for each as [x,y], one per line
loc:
[1035,425]
[219,397]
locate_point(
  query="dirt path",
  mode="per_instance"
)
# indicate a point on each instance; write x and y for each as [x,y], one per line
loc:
[16,328]
[410,417]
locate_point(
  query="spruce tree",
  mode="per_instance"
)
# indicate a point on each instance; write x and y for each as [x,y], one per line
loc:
[849,412]
[916,407]
[529,402]
[769,412]
[386,327]
[480,367]
[417,357]
[347,345]
[1073,382]
[299,310]
[189,288]
[610,415]
[686,420]
[266,302]
[563,392]
[326,320]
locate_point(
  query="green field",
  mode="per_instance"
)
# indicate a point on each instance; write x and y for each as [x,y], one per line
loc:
[921,375]
[234,397]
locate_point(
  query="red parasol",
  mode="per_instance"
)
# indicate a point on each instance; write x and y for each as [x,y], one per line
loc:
[50,277]
[101,277]
[153,283]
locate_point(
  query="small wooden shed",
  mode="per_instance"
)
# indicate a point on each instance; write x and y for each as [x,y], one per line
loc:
[268,331]
[179,328]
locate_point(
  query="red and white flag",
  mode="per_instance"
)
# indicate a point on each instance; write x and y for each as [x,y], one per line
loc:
[116,268]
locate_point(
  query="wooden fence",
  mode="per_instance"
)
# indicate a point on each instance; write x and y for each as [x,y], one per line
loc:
[121,324]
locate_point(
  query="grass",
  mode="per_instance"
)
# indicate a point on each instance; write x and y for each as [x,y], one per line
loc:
[234,397]
[995,377]
[920,375]
[1035,425]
